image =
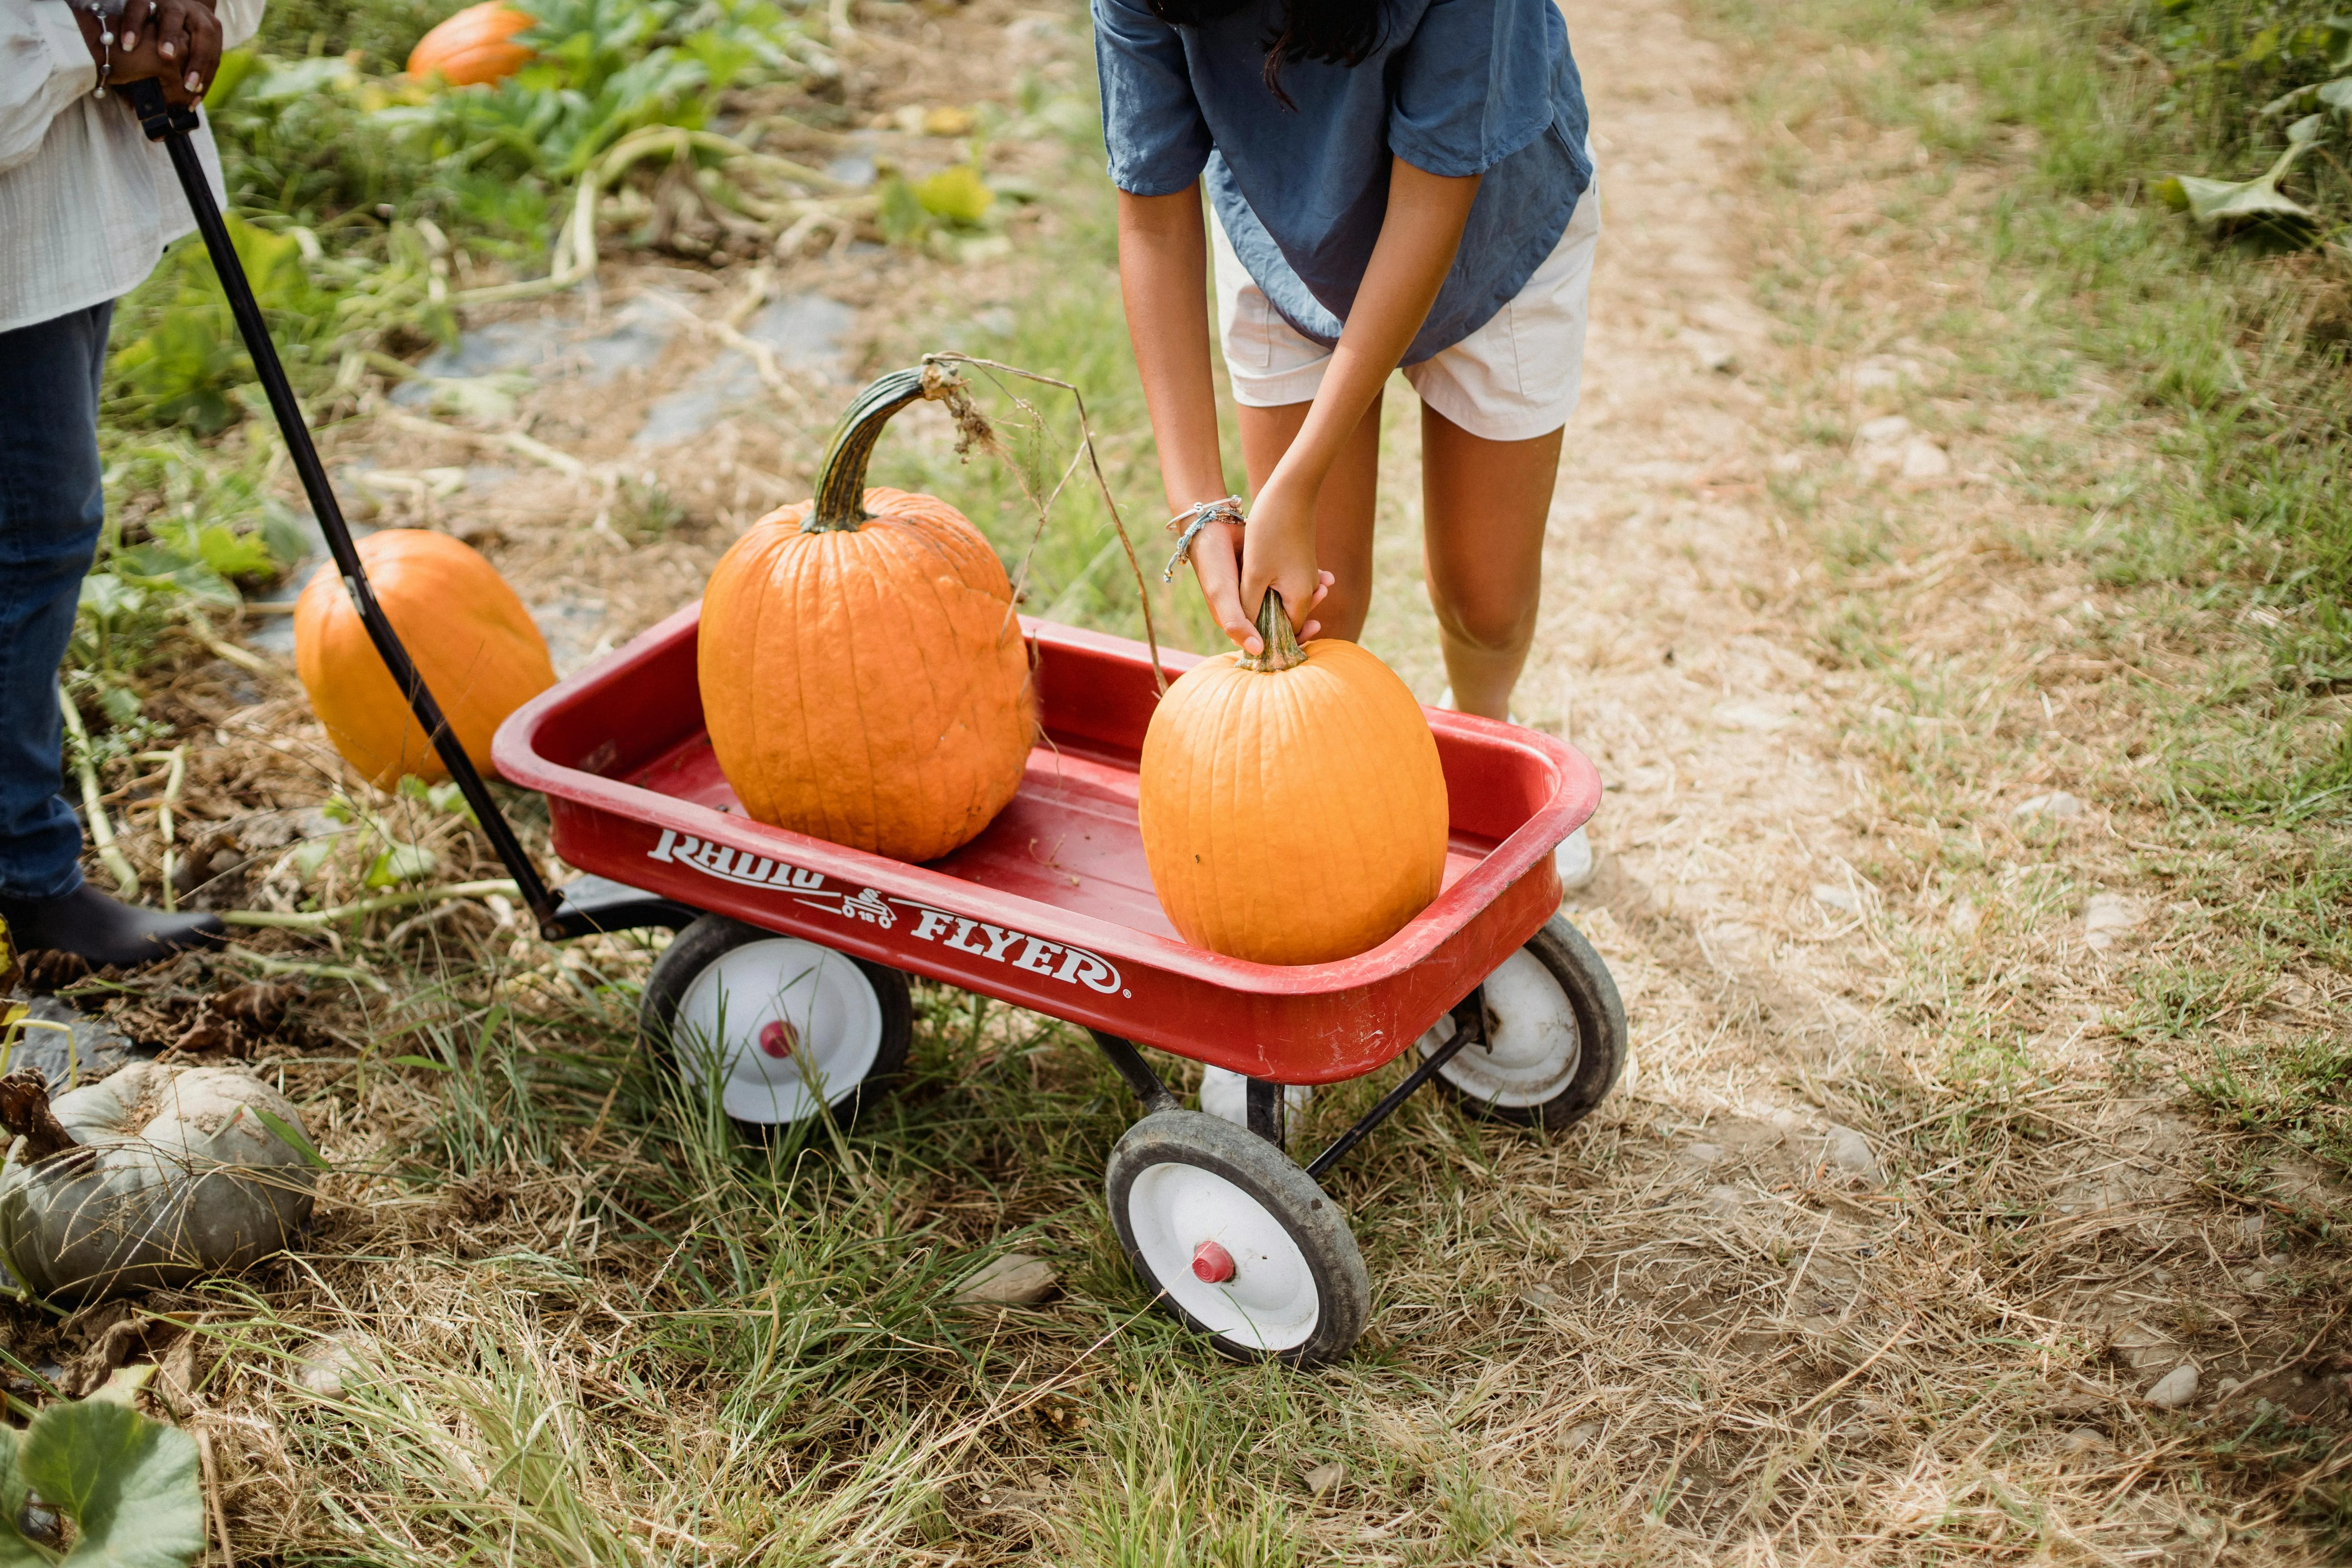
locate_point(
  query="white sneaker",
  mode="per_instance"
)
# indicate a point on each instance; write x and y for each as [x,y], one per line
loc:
[1574,860]
[1226,1093]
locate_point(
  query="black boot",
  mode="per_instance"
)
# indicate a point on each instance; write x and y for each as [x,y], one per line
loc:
[101,930]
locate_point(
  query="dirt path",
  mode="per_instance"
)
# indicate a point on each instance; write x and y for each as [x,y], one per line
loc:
[1783,1320]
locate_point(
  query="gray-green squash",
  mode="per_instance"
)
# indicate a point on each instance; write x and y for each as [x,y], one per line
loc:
[152,1176]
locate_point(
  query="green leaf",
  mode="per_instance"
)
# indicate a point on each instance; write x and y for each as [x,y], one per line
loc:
[426,1062]
[15,1550]
[106,596]
[901,214]
[958,194]
[401,863]
[291,1136]
[2257,208]
[128,1483]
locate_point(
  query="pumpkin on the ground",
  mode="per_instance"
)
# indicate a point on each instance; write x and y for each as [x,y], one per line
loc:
[152,1176]
[466,632]
[477,45]
[1292,804]
[864,678]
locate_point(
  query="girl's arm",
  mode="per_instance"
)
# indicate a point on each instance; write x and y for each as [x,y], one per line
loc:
[1163,276]
[1419,236]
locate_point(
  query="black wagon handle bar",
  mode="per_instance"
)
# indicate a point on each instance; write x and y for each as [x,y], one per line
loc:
[170,124]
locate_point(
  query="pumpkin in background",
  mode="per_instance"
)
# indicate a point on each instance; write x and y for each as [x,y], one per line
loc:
[474,46]
[1292,806]
[864,676]
[467,634]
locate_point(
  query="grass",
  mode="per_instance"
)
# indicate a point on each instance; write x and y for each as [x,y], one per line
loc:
[579,1321]
[2193,485]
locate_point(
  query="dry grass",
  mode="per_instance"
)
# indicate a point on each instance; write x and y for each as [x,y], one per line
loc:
[556,1313]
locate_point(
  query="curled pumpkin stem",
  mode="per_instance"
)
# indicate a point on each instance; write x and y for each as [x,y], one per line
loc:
[841,480]
[1282,650]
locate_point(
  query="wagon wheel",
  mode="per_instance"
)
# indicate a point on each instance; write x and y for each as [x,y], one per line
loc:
[1555,1034]
[1237,1241]
[783,1027]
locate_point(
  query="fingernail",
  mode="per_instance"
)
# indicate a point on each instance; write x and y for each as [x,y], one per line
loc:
[130,42]
[195,82]
[168,50]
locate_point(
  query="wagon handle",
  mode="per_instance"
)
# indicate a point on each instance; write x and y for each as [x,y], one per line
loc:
[170,125]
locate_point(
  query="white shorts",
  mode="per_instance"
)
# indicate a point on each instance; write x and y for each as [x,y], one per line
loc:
[1513,379]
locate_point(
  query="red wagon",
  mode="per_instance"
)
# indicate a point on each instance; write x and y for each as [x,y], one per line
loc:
[785,990]
[788,987]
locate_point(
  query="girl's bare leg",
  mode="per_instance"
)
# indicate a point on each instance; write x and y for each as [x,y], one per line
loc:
[1484,507]
[1343,509]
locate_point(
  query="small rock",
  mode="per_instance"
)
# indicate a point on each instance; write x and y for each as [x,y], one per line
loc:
[2256,1280]
[1725,1200]
[1887,430]
[1543,1298]
[330,1365]
[1755,717]
[2057,802]
[1584,1435]
[2175,1388]
[1325,1478]
[1788,463]
[1705,1154]
[2108,917]
[1785,1120]
[1015,1280]
[1923,459]
[1840,898]
[1965,918]
[1713,354]
[1849,1151]
[2082,1441]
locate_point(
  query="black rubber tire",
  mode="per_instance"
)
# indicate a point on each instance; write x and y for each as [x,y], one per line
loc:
[1312,1218]
[1600,1016]
[712,937]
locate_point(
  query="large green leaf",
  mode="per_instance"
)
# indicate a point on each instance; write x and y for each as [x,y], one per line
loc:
[16,1552]
[128,1484]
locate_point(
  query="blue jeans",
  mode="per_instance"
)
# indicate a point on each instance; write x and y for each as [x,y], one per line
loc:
[50,507]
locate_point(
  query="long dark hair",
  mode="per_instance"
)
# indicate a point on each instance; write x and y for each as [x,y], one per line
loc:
[1340,31]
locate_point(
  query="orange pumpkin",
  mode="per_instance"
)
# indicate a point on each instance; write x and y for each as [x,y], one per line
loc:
[468,634]
[474,46]
[1292,804]
[862,673]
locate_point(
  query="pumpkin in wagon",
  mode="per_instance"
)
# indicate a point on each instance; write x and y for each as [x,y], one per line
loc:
[864,676]
[465,630]
[475,46]
[1292,804]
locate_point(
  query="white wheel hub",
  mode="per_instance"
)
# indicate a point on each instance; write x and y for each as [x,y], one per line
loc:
[1222,1256]
[784,1025]
[1534,1049]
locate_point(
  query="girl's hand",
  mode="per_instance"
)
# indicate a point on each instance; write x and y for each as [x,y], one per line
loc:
[1216,557]
[1278,552]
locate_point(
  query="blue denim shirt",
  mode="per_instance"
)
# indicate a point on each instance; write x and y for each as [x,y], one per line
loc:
[1456,87]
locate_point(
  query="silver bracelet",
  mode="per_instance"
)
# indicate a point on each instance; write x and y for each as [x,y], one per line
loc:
[105,13]
[1187,526]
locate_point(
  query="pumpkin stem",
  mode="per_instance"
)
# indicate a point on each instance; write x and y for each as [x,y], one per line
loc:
[24,1111]
[841,481]
[1282,650]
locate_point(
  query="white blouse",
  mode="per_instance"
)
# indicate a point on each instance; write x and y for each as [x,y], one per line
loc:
[87,203]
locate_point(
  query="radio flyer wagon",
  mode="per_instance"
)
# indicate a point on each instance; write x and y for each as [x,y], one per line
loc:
[786,993]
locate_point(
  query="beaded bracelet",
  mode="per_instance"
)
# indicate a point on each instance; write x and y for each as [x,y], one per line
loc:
[105,15]
[1187,526]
